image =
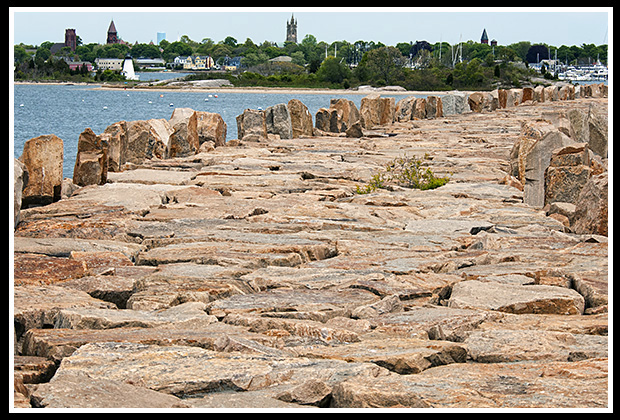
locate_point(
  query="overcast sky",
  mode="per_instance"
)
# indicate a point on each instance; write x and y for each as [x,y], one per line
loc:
[553,26]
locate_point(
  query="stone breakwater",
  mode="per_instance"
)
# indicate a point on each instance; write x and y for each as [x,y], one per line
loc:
[181,271]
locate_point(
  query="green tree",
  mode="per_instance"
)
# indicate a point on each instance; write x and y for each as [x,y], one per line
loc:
[383,65]
[19,54]
[230,41]
[333,71]
[175,49]
[145,50]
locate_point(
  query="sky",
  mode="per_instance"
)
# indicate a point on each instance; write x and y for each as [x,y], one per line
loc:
[552,26]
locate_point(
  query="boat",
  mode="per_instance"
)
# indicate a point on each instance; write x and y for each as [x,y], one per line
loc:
[596,72]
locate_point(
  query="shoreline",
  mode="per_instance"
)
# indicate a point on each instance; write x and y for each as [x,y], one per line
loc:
[263,89]
[259,89]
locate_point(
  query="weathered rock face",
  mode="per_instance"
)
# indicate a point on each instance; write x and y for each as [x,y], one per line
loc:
[327,120]
[454,103]
[20,180]
[251,125]
[483,101]
[211,127]
[531,156]
[434,107]
[591,212]
[404,109]
[568,172]
[147,139]
[375,110]
[348,114]
[254,276]
[301,119]
[341,116]
[535,299]
[184,138]
[278,121]
[91,162]
[115,136]
[42,157]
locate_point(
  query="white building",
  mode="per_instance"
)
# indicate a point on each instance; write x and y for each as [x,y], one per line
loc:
[114,64]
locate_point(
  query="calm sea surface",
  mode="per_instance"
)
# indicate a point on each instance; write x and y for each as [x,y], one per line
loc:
[66,111]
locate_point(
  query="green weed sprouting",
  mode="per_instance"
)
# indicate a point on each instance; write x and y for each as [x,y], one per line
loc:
[405,172]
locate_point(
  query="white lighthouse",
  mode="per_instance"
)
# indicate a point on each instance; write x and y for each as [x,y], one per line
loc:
[128,69]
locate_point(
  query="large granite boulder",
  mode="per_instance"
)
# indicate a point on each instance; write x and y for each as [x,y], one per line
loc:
[531,156]
[278,121]
[43,158]
[568,172]
[326,119]
[434,107]
[184,138]
[347,111]
[301,119]
[591,213]
[251,125]
[376,111]
[404,108]
[91,162]
[454,103]
[211,127]
[115,135]
[147,139]
[482,101]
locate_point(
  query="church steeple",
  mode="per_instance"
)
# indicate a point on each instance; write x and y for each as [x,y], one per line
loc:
[485,38]
[291,30]
[112,37]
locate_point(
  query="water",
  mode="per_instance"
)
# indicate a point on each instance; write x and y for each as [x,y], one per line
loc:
[67,111]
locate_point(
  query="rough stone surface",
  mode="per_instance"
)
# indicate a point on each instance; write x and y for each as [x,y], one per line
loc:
[253,275]
[301,119]
[538,299]
[42,157]
[210,126]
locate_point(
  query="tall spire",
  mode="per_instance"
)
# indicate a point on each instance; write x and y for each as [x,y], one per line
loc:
[112,36]
[485,38]
[291,29]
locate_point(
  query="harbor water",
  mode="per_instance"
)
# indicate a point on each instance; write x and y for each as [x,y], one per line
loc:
[67,110]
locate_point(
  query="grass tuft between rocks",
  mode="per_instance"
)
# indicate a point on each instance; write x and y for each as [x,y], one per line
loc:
[404,171]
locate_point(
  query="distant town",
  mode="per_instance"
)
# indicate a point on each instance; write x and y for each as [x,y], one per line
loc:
[312,63]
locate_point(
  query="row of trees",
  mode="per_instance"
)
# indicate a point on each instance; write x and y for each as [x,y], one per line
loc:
[413,65]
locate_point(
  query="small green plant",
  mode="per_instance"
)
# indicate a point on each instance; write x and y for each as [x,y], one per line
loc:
[377,181]
[405,172]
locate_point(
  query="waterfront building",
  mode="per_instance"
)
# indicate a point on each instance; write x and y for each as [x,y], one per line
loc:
[188,63]
[197,62]
[180,60]
[77,65]
[150,62]
[291,30]
[114,64]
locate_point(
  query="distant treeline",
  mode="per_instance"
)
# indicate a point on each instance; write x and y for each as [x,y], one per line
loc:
[416,66]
